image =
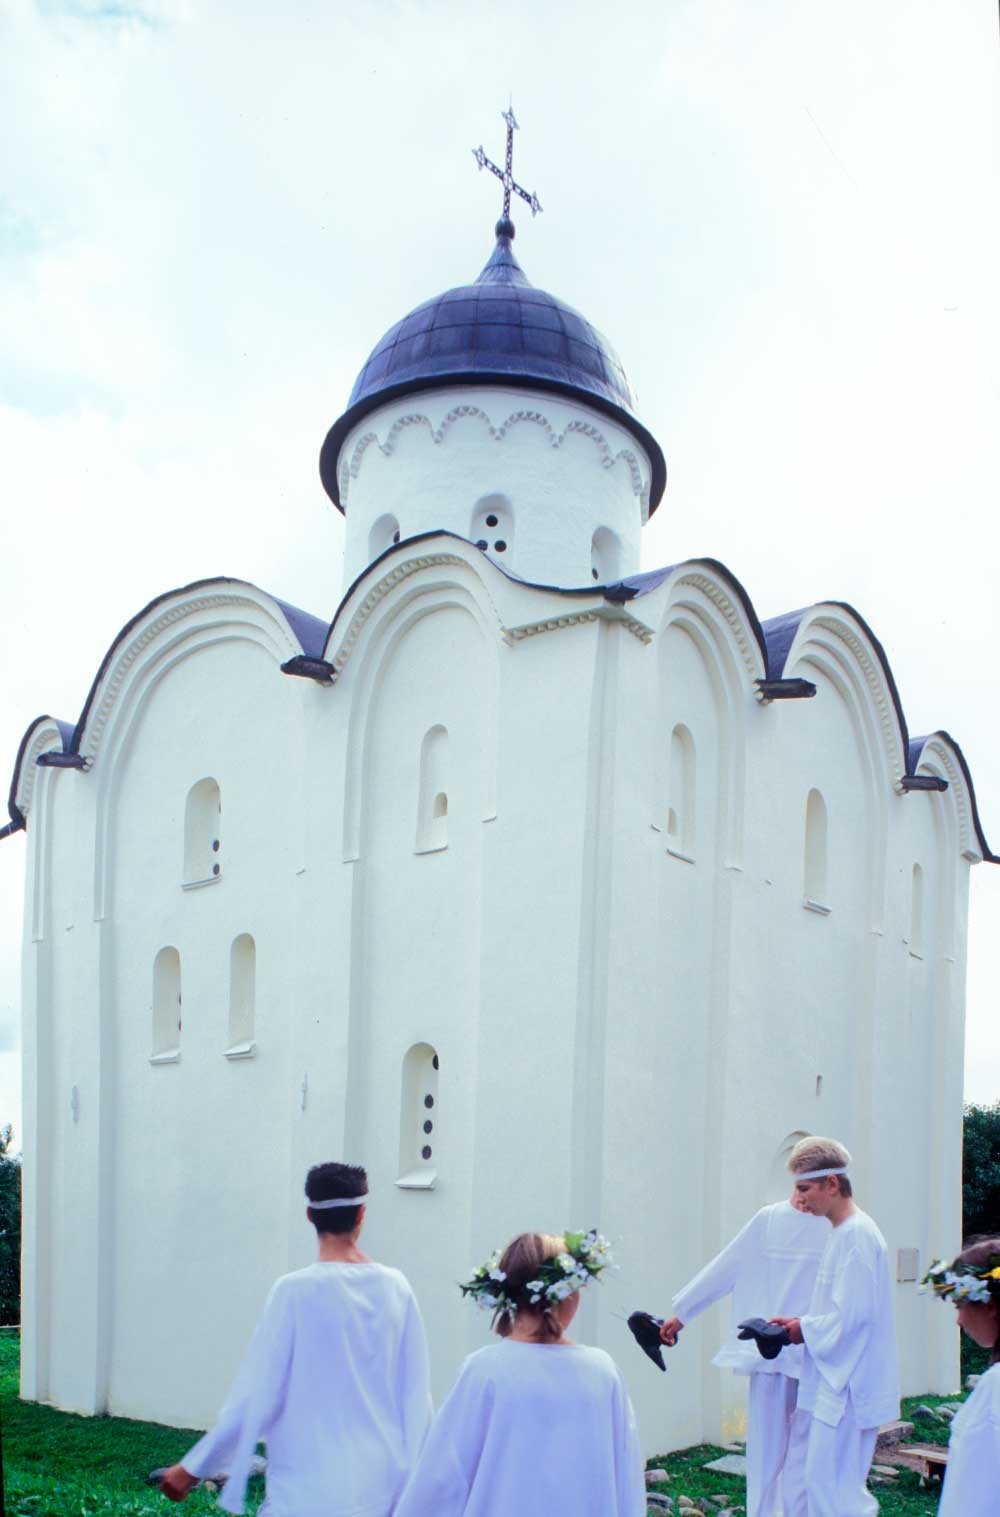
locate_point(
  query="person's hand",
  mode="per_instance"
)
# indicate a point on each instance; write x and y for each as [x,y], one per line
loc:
[670,1330]
[176,1482]
[792,1326]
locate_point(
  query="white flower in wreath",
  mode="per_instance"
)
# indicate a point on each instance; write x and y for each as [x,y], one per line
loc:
[497,1274]
[566,1263]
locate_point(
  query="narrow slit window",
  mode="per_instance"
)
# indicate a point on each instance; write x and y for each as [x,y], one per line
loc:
[242,997]
[203,834]
[166,1006]
[917,913]
[384,533]
[681,796]
[419,1119]
[815,887]
[605,556]
[432,801]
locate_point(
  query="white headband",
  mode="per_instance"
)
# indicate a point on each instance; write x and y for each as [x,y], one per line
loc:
[817,1174]
[339,1201]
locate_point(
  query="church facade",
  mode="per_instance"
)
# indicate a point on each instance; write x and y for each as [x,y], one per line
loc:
[556,893]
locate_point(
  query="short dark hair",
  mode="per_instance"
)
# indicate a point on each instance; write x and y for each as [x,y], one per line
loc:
[328,1182]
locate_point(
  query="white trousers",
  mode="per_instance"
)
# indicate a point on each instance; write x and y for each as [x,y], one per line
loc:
[772,1407]
[826,1474]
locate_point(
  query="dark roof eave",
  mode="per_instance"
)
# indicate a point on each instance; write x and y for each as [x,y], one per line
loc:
[480,378]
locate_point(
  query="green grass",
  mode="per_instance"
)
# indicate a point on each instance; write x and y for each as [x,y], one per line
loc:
[60,1465]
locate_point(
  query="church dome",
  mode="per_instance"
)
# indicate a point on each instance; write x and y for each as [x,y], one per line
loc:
[500,330]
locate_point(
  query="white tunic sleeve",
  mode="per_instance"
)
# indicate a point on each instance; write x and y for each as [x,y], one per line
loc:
[630,1470]
[414,1389]
[720,1275]
[837,1339]
[443,1476]
[255,1400]
[972,1479]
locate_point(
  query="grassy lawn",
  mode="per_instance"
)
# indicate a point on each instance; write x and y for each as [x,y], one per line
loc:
[58,1465]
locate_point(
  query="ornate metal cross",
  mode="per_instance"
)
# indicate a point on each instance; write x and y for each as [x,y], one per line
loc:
[506,175]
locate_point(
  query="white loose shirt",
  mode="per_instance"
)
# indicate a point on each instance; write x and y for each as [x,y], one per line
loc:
[848,1331]
[336,1382]
[769,1269]
[972,1479]
[531,1429]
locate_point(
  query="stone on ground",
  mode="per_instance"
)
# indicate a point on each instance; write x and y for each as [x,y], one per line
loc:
[729,1464]
[892,1434]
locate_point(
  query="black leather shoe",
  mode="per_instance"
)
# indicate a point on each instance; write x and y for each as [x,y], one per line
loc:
[770,1337]
[646,1332]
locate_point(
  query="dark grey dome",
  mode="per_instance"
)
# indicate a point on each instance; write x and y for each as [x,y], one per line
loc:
[500,330]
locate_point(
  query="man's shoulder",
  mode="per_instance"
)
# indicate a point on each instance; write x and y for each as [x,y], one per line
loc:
[860,1231]
[378,1277]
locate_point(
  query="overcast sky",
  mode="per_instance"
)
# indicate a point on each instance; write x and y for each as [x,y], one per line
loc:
[783,213]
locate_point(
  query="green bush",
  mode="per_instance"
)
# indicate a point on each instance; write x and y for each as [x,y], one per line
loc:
[10,1231]
[981,1170]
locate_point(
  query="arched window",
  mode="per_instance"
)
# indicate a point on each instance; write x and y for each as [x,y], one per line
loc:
[166,1006]
[814,872]
[492,527]
[432,803]
[917,913]
[202,829]
[384,532]
[605,556]
[242,991]
[681,795]
[419,1119]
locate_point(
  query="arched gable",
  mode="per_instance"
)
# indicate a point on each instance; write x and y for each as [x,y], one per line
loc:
[940,755]
[377,613]
[44,735]
[833,638]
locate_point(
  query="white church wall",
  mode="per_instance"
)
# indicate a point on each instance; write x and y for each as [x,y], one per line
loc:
[200,1142]
[554,473]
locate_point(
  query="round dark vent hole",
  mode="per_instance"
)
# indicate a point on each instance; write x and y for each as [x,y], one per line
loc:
[593,573]
[436,1062]
[491,521]
[216,868]
[500,545]
[482,543]
[428,1127]
[428,1102]
[425,1152]
[395,536]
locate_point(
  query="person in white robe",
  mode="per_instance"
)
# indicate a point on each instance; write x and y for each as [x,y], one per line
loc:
[335,1380]
[535,1424]
[849,1385]
[768,1269]
[972,1476]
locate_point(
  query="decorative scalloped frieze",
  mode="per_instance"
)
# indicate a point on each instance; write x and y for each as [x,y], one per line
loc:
[381,589]
[100,714]
[731,613]
[550,624]
[607,456]
[874,677]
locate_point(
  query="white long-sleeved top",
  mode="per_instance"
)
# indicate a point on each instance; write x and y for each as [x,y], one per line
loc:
[336,1382]
[769,1270]
[972,1479]
[848,1331]
[530,1429]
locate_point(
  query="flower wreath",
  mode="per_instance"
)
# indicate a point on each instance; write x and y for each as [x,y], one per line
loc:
[978,1283]
[586,1255]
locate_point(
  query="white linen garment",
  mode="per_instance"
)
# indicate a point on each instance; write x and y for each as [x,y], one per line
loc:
[528,1430]
[769,1269]
[848,1331]
[827,1470]
[972,1480]
[336,1382]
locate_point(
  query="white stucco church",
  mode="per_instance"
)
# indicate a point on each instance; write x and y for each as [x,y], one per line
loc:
[556,893]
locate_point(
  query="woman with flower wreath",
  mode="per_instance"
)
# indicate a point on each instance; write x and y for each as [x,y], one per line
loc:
[972,1283]
[536,1423]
